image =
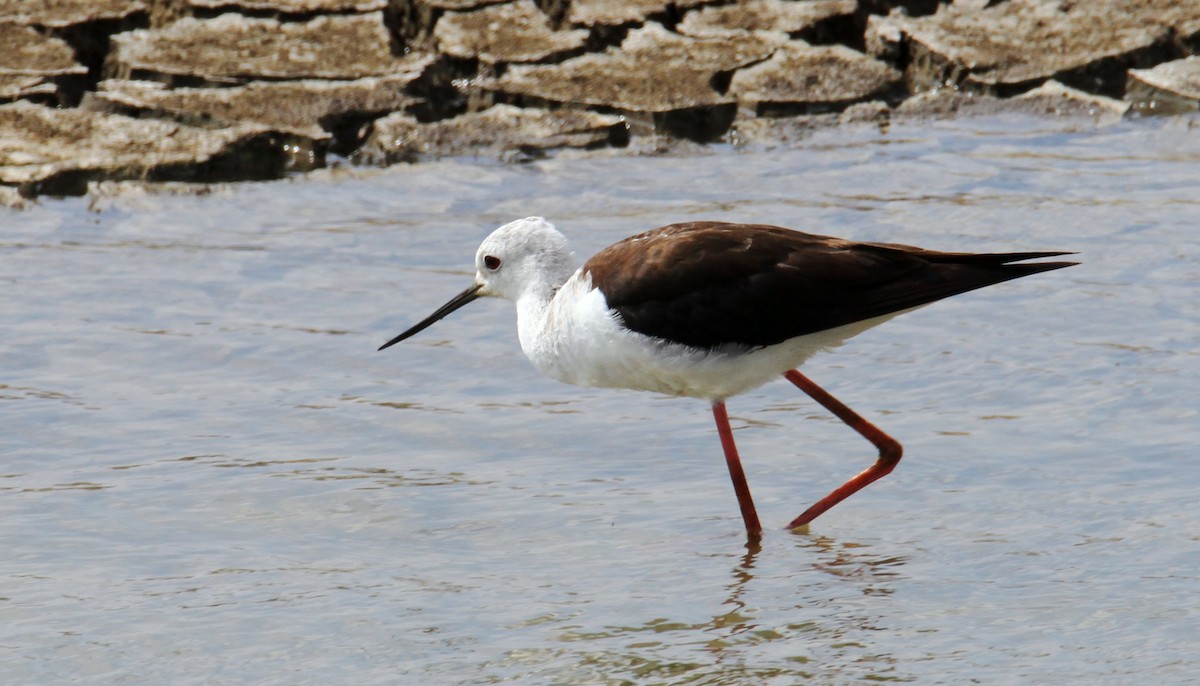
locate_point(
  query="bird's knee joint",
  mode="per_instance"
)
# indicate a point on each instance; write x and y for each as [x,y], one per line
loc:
[890,452]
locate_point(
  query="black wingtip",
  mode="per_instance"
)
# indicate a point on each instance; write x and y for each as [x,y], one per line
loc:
[1013,262]
[1026,268]
[1023,256]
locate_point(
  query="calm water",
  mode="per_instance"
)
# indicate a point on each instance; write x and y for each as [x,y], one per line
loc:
[210,476]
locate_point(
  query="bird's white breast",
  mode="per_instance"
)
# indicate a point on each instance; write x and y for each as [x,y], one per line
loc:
[575,338]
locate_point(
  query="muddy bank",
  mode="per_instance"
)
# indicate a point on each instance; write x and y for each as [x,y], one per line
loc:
[219,90]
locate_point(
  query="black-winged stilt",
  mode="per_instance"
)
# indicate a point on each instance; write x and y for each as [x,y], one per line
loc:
[712,309]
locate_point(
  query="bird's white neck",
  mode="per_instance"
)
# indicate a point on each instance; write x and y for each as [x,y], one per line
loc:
[544,321]
[534,311]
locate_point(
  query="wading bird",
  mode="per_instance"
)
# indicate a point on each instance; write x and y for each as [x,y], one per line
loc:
[712,309]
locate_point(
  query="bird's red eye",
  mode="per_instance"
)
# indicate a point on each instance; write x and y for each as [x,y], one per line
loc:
[491,262]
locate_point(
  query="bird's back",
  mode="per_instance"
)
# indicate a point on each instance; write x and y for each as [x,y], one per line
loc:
[714,284]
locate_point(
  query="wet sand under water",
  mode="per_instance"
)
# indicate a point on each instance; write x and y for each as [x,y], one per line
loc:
[209,474]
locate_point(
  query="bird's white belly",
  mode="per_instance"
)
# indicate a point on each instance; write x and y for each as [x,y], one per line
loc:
[578,340]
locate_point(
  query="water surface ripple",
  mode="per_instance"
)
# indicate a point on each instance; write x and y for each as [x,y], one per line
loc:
[209,475]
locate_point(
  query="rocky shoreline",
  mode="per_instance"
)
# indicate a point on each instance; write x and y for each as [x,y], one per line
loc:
[227,90]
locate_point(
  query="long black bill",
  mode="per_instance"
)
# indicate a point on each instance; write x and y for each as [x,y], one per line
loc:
[456,302]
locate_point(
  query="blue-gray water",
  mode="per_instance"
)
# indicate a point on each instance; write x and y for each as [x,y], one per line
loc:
[210,476]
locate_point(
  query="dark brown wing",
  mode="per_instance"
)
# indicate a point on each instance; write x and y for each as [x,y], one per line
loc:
[707,284]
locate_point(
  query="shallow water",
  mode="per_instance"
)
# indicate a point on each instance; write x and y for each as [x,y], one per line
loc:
[210,476]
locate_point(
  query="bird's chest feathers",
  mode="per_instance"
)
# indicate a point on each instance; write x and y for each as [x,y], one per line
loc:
[573,336]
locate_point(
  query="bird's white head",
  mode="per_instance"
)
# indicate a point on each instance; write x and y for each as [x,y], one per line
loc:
[523,261]
[527,256]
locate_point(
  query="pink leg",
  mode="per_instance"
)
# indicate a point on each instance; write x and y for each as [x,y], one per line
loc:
[749,514]
[889,449]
